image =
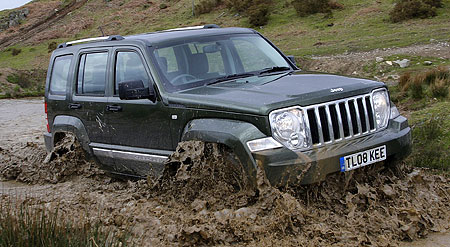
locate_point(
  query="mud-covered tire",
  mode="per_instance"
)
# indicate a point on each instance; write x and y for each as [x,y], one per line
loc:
[189,152]
[197,169]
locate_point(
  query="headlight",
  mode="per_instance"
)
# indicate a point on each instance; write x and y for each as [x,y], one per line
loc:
[381,107]
[289,128]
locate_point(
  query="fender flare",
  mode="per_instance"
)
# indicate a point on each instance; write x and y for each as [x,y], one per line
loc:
[73,125]
[233,133]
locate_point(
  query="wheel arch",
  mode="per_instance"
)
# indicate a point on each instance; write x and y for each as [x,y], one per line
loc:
[63,124]
[232,133]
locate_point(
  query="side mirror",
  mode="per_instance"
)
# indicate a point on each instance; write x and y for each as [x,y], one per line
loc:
[292,59]
[129,90]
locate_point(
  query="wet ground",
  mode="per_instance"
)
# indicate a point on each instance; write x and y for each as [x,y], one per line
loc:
[202,203]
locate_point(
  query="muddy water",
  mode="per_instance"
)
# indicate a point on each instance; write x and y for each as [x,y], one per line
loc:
[21,121]
[199,203]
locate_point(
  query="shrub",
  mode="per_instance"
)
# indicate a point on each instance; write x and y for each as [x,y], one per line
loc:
[309,7]
[416,88]
[434,3]
[409,9]
[13,78]
[335,5]
[439,88]
[435,82]
[206,6]
[22,79]
[403,82]
[52,46]
[15,51]
[258,13]
[238,5]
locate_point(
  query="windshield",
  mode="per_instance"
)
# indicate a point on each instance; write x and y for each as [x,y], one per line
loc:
[208,60]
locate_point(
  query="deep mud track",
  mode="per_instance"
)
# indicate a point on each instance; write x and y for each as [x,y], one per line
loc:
[199,203]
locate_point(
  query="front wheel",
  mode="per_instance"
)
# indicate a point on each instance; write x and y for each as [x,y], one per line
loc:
[199,170]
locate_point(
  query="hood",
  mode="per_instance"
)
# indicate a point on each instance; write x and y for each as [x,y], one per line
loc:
[272,92]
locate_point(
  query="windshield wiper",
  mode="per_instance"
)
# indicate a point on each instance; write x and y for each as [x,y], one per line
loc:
[229,77]
[273,69]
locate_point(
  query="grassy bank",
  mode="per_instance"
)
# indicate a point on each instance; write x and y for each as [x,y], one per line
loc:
[26,225]
[358,26]
[431,137]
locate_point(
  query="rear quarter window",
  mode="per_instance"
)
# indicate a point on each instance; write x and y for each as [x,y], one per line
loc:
[60,74]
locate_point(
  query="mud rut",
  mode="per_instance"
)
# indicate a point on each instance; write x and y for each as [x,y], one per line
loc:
[202,200]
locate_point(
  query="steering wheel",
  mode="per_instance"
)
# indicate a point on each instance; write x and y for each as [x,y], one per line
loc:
[178,77]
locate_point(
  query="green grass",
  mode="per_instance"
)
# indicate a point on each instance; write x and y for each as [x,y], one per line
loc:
[27,225]
[30,57]
[431,137]
[360,26]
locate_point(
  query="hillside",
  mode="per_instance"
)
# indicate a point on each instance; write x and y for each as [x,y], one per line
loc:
[360,26]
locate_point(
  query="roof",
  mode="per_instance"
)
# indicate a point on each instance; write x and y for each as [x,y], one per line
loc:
[155,38]
[172,35]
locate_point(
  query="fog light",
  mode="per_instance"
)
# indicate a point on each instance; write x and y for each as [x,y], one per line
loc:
[263,144]
[394,111]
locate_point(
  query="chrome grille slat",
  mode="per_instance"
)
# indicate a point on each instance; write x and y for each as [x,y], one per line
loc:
[319,124]
[349,120]
[366,115]
[358,118]
[347,124]
[330,124]
[341,127]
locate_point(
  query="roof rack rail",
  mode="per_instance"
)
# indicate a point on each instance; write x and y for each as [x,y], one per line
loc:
[109,38]
[192,28]
[211,26]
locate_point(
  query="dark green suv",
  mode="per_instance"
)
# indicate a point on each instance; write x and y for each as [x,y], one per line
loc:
[131,100]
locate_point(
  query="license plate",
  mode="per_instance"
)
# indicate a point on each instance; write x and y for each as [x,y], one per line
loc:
[354,161]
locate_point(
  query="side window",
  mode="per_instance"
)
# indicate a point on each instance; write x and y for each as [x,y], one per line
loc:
[60,74]
[129,67]
[92,73]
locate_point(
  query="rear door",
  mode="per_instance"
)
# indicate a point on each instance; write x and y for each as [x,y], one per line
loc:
[136,124]
[89,92]
[59,76]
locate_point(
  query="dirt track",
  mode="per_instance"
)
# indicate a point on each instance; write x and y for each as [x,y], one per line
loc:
[378,206]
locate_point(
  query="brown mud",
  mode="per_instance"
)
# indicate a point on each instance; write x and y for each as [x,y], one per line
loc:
[202,200]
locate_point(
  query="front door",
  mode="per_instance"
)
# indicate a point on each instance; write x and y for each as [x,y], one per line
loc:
[137,127]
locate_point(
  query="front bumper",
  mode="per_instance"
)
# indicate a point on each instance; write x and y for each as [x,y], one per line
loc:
[284,166]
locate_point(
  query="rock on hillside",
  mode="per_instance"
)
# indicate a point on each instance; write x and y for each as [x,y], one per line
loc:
[13,19]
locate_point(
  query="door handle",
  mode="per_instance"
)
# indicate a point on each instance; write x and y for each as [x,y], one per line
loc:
[114,108]
[74,106]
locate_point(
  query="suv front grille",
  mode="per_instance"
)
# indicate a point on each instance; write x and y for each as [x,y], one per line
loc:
[341,119]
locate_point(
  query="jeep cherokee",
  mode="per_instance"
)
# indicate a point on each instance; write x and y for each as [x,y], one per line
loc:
[131,100]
